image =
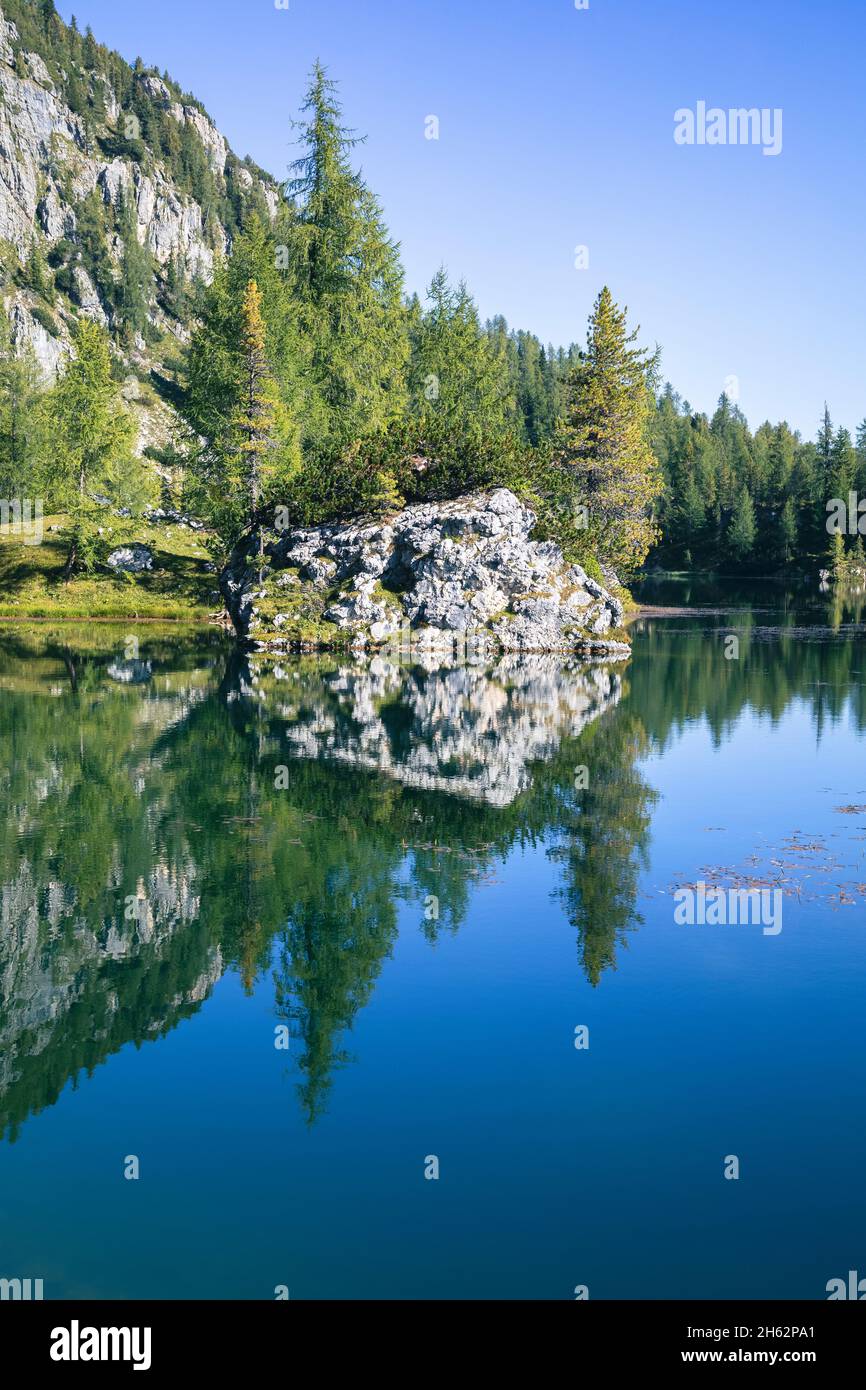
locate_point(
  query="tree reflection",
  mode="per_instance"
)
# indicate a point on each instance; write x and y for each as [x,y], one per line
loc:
[205,811]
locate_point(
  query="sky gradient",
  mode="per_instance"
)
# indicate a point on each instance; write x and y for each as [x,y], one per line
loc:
[557,131]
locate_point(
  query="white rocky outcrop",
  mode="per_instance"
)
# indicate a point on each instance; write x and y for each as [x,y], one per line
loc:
[464,568]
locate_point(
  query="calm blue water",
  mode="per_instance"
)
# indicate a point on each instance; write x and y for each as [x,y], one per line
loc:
[409,793]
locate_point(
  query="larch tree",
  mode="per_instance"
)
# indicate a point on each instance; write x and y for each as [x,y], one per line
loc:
[246,344]
[92,436]
[603,455]
[256,418]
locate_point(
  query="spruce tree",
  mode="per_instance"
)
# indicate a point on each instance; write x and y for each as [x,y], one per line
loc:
[824,455]
[860,447]
[462,406]
[347,283]
[136,274]
[788,531]
[842,466]
[20,395]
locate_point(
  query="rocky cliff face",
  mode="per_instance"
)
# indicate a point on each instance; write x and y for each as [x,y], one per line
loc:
[435,574]
[52,159]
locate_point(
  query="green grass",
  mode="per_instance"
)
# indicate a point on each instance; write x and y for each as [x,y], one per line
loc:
[179,588]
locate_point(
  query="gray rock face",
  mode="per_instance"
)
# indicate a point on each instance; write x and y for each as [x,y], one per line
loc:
[131,559]
[435,573]
[41,138]
[50,161]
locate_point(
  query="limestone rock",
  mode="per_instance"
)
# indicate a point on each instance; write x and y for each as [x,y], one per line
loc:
[434,574]
[131,559]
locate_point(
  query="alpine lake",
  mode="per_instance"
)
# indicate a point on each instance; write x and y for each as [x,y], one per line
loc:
[324,977]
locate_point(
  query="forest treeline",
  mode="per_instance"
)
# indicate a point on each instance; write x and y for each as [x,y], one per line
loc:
[312,381]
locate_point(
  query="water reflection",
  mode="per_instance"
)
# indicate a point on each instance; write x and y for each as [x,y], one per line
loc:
[194,811]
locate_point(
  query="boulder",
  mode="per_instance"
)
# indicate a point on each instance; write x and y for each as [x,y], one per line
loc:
[131,559]
[436,573]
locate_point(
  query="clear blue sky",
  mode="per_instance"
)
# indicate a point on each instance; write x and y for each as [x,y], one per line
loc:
[556,129]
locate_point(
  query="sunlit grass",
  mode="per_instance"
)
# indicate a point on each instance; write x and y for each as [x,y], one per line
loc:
[180,586]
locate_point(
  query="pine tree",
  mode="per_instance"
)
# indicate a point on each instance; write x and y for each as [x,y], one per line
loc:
[347,283]
[92,436]
[788,531]
[603,453]
[742,530]
[256,418]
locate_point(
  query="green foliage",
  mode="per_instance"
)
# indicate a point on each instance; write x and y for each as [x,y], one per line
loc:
[91,454]
[707,464]
[37,274]
[603,458]
[346,282]
[462,408]
[741,532]
[392,401]
[92,238]
[131,294]
[218,383]
[43,317]
[788,532]
[21,435]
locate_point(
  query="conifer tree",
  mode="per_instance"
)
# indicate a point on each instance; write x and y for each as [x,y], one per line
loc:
[788,533]
[19,419]
[347,283]
[92,436]
[256,418]
[218,385]
[842,465]
[462,407]
[836,555]
[824,456]
[136,273]
[742,530]
[603,451]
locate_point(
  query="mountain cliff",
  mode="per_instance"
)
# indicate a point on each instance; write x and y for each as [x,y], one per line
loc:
[117,195]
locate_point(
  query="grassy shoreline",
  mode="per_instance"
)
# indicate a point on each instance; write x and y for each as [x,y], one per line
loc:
[181,587]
